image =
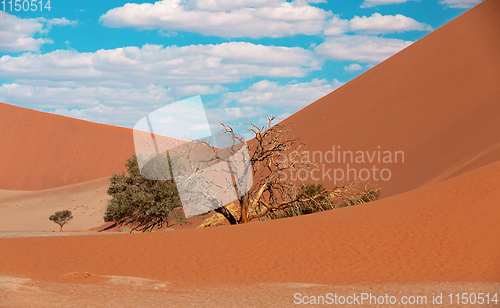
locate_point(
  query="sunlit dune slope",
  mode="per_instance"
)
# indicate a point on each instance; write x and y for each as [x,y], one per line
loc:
[30,210]
[438,101]
[41,150]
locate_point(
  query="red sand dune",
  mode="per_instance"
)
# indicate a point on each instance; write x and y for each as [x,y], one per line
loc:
[440,221]
[41,150]
[445,232]
[438,101]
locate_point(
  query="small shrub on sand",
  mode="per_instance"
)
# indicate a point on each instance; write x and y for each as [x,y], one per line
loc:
[323,203]
[125,229]
[61,218]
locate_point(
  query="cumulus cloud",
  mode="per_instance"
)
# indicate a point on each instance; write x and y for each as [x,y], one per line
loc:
[117,106]
[171,66]
[111,105]
[336,26]
[18,34]
[84,96]
[374,24]
[460,4]
[290,96]
[251,18]
[242,18]
[119,86]
[226,5]
[367,49]
[59,21]
[378,23]
[371,3]
[353,67]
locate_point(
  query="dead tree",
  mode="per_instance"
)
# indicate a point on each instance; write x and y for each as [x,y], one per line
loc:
[269,162]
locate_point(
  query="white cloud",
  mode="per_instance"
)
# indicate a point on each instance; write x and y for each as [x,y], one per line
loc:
[243,18]
[170,66]
[225,5]
[192,90]
[290,96]
[59,22]
[55,97]
[378,23]
[460,4]
[371,3]
[115,106]
[119,86]
[375,24]
[231,114]
[284,115]
[18,34]
[336,26]
[353,67]
[367,49]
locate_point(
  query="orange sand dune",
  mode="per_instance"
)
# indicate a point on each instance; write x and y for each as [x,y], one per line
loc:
[30,210]
[444,232]
[438,101]
[440,221]
[41,150]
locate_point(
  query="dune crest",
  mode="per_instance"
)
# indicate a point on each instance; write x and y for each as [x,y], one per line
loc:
[437,101]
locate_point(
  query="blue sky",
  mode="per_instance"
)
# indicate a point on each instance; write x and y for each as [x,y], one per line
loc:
[115,61]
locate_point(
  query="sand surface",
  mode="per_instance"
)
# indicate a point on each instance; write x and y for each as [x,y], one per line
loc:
[41,150]
[408,244]
[132,292]
[445,232]
[30,210]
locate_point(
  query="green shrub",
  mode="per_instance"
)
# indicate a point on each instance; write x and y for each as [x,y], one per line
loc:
[142,203]
[61,218]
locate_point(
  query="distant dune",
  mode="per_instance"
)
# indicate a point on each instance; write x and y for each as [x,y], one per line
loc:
[30,210]
[438,101]
[42,150]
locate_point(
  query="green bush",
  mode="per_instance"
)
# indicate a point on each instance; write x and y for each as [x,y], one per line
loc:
[142,203]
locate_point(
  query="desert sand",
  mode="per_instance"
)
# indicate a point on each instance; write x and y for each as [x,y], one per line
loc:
[41,151]
[448,232]
[29,210]
[435,229]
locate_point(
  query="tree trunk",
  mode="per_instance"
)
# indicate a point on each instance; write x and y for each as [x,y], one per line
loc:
[243,209]
[227,214]
[60,230]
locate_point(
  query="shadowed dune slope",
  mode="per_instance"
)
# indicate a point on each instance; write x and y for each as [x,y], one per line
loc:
[449,231]
[41,150]
[438,101]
